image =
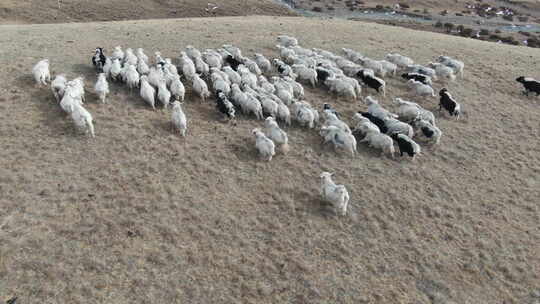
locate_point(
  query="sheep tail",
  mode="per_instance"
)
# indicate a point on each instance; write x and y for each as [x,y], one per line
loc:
[285,148]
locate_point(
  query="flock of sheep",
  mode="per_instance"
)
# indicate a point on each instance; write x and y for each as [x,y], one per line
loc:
[240,85]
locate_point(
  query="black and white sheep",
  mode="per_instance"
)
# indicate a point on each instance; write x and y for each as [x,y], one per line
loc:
[406,145]
[449,103]
[372,81]
[418,77]
[530,85]
[99,59]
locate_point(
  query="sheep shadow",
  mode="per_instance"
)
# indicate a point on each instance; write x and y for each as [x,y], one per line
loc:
[246,151]
[85,70]
[50,113]
[25,81]
[163,125]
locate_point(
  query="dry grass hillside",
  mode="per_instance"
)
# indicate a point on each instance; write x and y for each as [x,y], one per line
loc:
[61,11]
[140,215]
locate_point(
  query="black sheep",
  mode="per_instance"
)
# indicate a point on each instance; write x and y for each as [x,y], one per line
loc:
[223,105]
[376,121]
[448,103]
[233,62]
[530,85]
[322,75]
[99,59]
[406,145]
[418,77]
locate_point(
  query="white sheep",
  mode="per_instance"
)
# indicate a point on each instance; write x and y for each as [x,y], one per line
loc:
[352,55]
[287,41]
[274,132]
[178,91]
[75,88]
[192,52]
[389,67]
[420,69]
[102,87]
[374,65]
[336,195]
[454,64]
[269,105]
[158,59]
[58,86]
[213,59]
[141,56]
[163,95]
[264,145]
[232,75]
[339,138]
[296,87]
[306,74]
[375,109]
[252,105]
[341,88]
[41,73]
[200,87]
[442,71]
[400,60]
[427,130]
[380,141]
[420,89]
[69,100]
[178,118]
[130,58]
[132,77]
[201,67]
[364,125]
[283,112]
[263,63]
[303,114]
[409,111]
[188,67]
[252,66]
[82,118]
[330,119]
[396,126]
[266,85]
[147,92]
[118,54]
[116,69]
[353,82]
[142,67]
[107,67]
[171,68]
[247,77]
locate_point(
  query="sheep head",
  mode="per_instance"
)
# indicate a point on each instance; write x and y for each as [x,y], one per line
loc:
[326,176]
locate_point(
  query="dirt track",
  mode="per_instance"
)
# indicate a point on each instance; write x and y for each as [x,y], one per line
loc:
[140,215]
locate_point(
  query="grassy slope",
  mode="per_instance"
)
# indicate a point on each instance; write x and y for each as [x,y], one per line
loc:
[48,11]
[139,215]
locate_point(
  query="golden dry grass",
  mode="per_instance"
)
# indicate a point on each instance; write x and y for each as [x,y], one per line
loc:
[140,215]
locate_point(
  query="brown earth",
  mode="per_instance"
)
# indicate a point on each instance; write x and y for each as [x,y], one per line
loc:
[54,11]
[139,214]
